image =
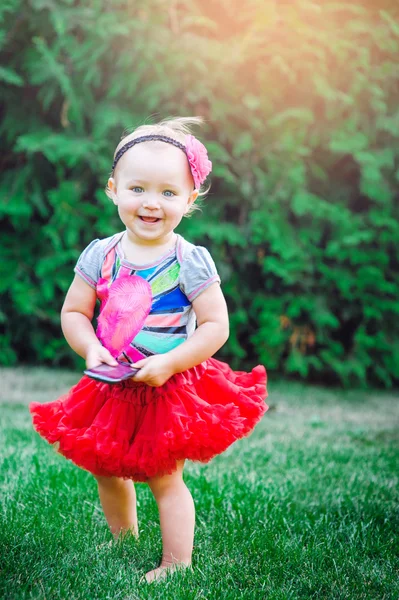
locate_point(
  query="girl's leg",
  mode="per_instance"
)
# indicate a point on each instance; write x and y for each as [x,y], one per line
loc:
[177,518]
[118,499]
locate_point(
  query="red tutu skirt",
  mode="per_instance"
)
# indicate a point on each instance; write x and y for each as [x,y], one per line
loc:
[135,431]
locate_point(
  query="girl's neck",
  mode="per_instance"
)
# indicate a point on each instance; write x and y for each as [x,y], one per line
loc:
[141,253]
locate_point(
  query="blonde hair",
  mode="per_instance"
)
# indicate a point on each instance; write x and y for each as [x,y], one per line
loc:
[174,127]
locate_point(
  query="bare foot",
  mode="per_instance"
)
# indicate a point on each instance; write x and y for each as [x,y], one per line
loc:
[162,572]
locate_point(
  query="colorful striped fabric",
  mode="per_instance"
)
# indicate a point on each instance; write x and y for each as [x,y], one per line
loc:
[174,279]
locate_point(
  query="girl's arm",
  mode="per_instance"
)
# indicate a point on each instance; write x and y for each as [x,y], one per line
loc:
[212,332]
[76,316]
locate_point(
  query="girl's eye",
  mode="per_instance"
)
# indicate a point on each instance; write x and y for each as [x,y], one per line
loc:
[169,194]
[137,189]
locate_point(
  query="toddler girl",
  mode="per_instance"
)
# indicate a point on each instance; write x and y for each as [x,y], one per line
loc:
[162,310]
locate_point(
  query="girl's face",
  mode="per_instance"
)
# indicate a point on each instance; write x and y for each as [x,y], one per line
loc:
[153,190]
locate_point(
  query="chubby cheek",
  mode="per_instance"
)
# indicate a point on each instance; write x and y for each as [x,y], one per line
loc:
[128,205]
[176,212]
[125,215]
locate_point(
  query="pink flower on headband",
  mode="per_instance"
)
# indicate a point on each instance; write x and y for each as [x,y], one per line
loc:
[197,156]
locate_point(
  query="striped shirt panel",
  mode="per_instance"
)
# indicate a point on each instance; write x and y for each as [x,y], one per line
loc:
[176,279]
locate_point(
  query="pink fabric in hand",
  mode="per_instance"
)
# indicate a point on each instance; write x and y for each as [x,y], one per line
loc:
[123,313]
[197,156]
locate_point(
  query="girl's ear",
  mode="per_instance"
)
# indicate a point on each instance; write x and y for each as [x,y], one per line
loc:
[191,199]
[111,189]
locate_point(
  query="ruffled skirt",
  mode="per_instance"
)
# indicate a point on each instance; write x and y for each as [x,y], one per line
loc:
[135,431]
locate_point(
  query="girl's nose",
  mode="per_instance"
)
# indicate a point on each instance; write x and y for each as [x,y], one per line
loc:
[151,202]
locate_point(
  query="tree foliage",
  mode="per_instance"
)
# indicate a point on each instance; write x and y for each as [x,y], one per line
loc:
[302,125]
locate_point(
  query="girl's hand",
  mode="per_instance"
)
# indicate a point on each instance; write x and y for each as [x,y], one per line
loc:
[97,354]
[154,370]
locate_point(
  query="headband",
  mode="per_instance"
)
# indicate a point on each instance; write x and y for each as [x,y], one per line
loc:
[195,151]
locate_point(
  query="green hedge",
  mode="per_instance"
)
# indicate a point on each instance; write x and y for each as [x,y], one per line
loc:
[301,105]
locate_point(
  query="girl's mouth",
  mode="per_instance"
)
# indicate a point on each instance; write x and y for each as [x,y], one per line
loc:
[150,219]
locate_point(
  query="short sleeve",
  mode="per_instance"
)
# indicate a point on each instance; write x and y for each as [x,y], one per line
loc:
[197,273]
[89,263]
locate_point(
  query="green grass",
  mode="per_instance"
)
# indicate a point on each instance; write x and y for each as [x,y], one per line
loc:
[306,507]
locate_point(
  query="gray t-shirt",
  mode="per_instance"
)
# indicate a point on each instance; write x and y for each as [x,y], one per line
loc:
[174,280]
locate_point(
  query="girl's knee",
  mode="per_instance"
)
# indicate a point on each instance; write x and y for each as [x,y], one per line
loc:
[163,483]
[104,480]
[112,482]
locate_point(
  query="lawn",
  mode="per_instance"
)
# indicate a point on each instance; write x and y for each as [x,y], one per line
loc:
[306,507]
